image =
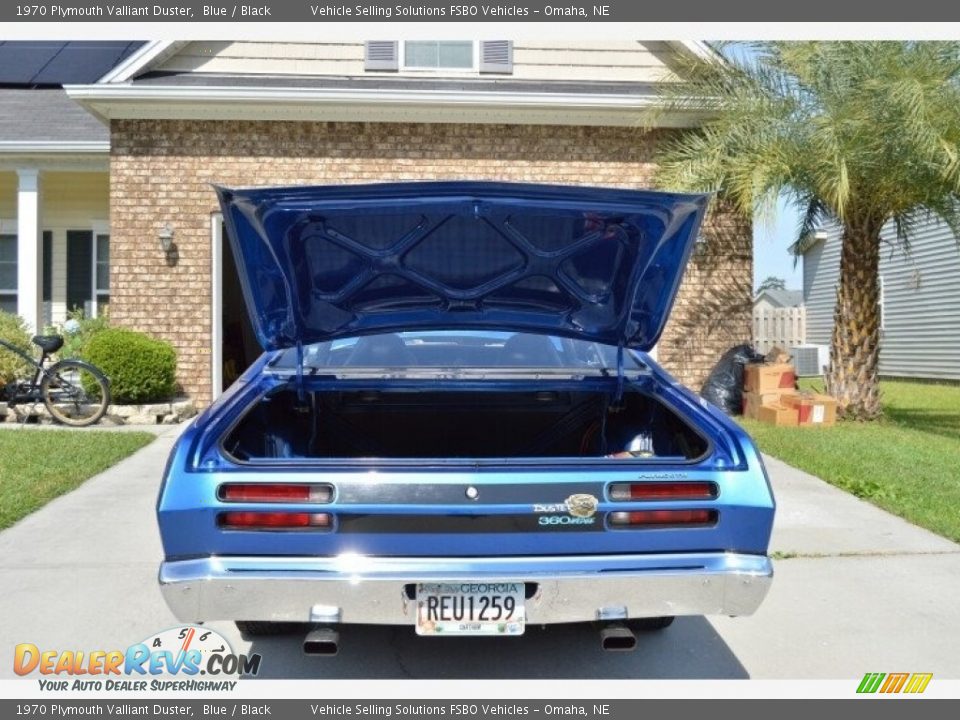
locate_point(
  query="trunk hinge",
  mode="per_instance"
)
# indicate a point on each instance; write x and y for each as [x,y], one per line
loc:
[300,392]
[619,396]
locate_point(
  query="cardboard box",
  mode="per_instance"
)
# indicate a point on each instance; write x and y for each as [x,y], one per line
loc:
[768,377]
[778,415]
[777,356]
[753,401]
[813,409]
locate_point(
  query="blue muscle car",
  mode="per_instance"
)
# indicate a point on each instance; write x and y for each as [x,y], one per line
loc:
[455,426]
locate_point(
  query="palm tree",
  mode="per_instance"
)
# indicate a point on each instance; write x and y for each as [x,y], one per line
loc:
[863,134]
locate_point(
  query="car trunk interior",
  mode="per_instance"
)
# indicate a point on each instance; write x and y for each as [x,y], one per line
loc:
[461,424]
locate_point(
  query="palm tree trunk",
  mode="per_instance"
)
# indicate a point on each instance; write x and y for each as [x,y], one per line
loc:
[855,349]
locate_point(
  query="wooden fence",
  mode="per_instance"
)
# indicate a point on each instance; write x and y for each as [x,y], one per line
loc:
[783,327]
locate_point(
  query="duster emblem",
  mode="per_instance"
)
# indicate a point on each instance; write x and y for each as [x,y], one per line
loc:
[582,505]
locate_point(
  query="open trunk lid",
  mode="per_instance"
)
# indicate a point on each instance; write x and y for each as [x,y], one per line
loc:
[600,264]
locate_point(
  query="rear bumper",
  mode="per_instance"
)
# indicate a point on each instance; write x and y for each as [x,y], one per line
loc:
[352,589]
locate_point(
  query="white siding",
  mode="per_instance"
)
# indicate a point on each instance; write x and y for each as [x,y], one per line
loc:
[625,60]
[921,294]
[821,270]
[763,305]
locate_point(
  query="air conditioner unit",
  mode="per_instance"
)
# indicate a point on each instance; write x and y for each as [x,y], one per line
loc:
[810,360]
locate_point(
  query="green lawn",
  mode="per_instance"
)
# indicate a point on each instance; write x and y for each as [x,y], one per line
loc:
[908,463]
[38,465]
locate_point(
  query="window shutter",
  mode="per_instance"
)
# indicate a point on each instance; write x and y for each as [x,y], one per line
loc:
[381,55]
[496,56]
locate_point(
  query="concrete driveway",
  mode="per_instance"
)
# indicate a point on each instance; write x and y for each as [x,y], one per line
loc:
[857,590]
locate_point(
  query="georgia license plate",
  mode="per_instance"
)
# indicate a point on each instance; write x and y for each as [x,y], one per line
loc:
[470,609]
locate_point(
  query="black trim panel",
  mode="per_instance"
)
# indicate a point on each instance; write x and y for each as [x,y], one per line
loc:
[454,524]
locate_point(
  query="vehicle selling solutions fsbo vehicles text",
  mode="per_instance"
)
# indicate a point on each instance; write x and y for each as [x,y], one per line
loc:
[400,10]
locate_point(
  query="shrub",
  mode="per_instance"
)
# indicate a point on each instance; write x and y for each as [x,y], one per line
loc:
[141,369]
[78,330]
[14,330]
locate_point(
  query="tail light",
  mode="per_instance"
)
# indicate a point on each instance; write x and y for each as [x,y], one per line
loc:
[246,520]
[663,491]
[662,518]
[275,493]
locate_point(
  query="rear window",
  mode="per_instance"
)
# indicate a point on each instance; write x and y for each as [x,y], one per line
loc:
[459,349]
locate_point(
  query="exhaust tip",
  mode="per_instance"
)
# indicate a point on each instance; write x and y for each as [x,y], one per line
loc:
[323,641]
[617,638]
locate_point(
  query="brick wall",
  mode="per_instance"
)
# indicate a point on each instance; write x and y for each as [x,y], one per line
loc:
[161,172]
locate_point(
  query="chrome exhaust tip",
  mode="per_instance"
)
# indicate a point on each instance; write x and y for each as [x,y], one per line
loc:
[617,638]
[322,641]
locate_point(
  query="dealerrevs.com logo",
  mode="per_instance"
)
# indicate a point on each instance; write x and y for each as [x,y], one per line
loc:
[181,658]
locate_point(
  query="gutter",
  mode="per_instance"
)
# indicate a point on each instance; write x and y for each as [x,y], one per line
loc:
[127,101]
[54,147]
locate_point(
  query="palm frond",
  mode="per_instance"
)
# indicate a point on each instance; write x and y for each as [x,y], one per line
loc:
[860,132]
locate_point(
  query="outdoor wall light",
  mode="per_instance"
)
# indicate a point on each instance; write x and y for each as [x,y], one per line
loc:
[166,237]
[700,246]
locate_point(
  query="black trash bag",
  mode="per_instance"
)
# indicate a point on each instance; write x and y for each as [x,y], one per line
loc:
[724,385]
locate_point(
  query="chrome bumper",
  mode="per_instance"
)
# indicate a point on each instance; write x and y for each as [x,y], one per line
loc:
[352,589]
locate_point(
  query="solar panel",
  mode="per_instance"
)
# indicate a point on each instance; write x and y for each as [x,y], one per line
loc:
[21,61]
[58,63]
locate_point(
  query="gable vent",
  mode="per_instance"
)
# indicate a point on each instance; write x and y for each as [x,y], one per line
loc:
[496,56]
[381,55]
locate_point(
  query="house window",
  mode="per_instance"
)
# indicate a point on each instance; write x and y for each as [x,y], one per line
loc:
[46,287]
[8,273]
[438,55]
[88,271]
[101,272]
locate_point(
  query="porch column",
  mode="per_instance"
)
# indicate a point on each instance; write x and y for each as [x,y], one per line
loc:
[29,248]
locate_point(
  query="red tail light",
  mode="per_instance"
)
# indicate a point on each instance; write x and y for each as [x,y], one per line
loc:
[654,518]
[275,493]
[663,491]
[273,520]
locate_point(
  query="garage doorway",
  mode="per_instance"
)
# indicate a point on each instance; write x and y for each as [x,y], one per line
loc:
[235,345]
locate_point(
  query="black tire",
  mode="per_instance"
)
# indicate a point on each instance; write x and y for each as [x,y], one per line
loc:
[259,628]
[650,624]
[75,393]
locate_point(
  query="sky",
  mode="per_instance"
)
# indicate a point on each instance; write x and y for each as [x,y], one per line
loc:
[772,237]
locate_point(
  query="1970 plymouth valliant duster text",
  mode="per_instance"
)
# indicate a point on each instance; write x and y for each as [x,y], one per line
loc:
[455,425]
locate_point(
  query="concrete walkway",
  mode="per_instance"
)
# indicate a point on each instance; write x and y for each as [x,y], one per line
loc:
[857,590]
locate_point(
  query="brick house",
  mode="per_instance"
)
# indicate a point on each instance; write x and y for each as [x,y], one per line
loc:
[185,115]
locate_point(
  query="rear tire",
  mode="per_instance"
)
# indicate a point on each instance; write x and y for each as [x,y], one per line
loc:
[650,624]
[75,393]
[259,628]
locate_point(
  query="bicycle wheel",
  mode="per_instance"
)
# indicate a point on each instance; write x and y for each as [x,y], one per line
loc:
[75,393]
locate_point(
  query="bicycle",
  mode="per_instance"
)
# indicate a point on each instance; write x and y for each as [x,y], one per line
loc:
[74,392]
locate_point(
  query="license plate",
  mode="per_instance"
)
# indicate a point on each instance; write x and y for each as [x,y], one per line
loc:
[470,609]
